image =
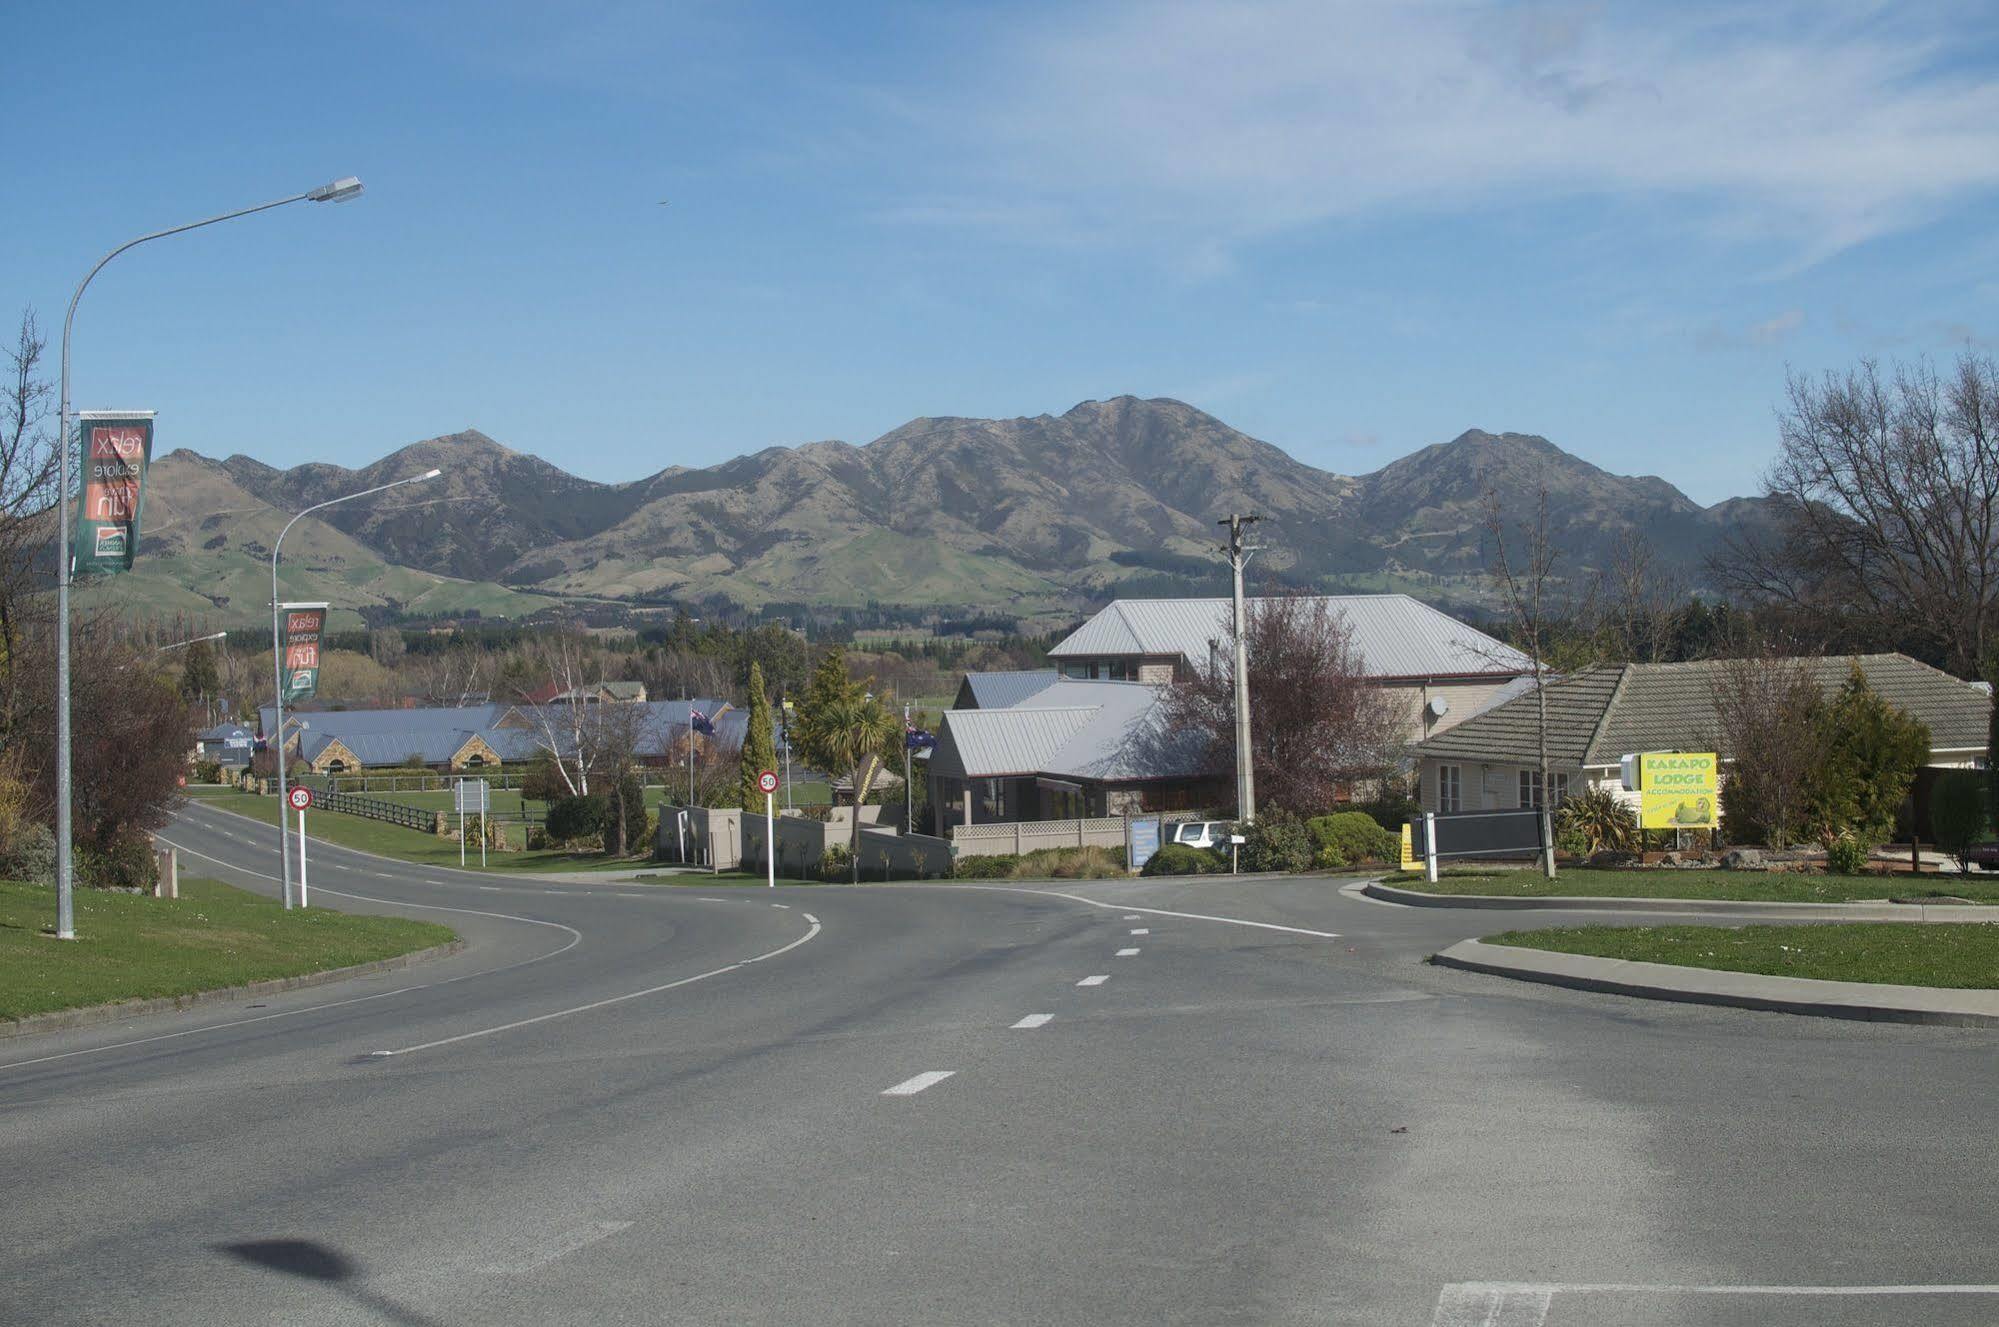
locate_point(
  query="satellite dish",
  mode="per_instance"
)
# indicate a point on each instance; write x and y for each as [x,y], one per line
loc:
[1437,708]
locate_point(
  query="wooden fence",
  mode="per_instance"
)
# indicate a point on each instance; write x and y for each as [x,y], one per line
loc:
[374,808]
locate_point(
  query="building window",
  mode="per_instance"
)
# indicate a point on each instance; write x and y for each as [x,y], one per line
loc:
[992,799]
[1121,670]
[1530,788]
[1450,787]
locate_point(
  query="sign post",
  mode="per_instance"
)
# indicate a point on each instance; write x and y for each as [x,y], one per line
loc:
[301,798]
[295,633]
[1141,841]
[1676,789]
[768,782]
[472,795]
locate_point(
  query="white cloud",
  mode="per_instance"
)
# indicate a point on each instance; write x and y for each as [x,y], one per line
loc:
[1814,124]
[1772,331]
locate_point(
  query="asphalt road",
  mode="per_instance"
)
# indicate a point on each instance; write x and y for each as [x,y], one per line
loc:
[650,1104]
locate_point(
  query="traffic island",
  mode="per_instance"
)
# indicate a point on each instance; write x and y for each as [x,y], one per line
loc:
[1944,973]
[1666,889]
[134,954]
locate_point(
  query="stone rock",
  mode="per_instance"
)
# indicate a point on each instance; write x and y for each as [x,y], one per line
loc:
[1742,859]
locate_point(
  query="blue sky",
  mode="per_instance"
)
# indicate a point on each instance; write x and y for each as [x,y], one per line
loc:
[1349,229]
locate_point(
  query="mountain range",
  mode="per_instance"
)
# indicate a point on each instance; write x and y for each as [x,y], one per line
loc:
[1019,517]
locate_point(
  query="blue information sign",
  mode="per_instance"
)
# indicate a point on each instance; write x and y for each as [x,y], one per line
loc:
[1141,839]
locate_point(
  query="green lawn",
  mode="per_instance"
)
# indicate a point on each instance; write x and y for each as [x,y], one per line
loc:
[410,845]
[1748,886]
[1964,955]
[132,947]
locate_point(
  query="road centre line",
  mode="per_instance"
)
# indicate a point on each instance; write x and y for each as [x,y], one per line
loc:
[600,1004]
[1127,953]
[559,1246]
[1141,930]
[1097,980]
[1158,912]
[1035,1021]
[910,1087]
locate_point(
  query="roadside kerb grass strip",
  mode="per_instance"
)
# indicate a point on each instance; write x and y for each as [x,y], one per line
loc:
[133,948]
[1884,971]
[1580,887]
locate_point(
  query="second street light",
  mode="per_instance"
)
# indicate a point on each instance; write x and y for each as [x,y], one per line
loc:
[277,738]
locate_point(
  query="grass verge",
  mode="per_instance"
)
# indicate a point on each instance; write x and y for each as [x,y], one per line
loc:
[1746,886]
[1962,955]
[132,947]
[415,846]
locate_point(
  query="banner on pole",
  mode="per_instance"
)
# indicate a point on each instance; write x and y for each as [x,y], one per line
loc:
[304,624]
[113,447]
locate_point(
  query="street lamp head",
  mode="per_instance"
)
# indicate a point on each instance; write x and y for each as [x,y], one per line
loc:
[430,474]
[339,191]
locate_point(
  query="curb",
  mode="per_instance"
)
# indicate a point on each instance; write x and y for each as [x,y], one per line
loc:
[1865,1001]
[56,1020]
[1860,912]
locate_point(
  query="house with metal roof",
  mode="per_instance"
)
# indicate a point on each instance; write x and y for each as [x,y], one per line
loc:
[471,737]
[225,743]
[998,691]
[1443,668]
[1598,716]
[1067,750]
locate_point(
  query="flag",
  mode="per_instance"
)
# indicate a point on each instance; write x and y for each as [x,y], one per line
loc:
[113,449]
[916,739]
[700,722]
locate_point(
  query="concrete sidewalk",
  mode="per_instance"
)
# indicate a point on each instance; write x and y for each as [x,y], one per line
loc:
[1869,1001]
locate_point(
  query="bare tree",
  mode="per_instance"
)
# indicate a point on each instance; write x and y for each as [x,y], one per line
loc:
[453,677]
[1639,601]
[1887,493]
[584,739]
[1522,568]
[1322,725]
[27,494]
[1766,717]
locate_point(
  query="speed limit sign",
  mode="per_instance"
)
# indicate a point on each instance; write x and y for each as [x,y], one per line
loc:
[300,798]
[767,781]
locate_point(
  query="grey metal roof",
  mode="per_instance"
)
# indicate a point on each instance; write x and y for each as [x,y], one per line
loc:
[1075,729]
[991,691]
[1602,714]
[1397,636]
[389,736]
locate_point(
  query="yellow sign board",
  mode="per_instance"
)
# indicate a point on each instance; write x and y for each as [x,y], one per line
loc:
[1409,862]
[1678,790]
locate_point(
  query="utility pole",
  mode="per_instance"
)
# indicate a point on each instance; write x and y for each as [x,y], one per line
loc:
[1245,775]
[908,797]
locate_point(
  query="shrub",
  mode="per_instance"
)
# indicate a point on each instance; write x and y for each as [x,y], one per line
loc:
[1957,812]
[1277,841]
[1598,820]
[837,863]
[208,771]
[1088,863]
[1328,857]
[1180,859]
[537,838]
[30,855]
[990,866]
[572,818]
[1392,808]
[1355,836]
[1847,855]
[126,864]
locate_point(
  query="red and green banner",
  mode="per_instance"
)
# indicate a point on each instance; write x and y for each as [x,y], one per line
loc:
[304,624]
[114,447]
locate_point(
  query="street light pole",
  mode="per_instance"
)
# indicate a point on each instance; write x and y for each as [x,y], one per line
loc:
[278,664]
[338,191]
[1245,772]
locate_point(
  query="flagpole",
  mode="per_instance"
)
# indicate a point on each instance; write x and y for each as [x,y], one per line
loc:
[908,795]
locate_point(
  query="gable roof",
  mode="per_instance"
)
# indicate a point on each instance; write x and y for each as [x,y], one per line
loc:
[389,736]
[1397,636]
[991,691]
[1602,714]
[1085,730]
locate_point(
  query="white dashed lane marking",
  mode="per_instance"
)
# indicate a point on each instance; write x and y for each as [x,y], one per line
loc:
[910,1087]
[1126,953]
[1035,1021]
[1141,930]
[1097,980]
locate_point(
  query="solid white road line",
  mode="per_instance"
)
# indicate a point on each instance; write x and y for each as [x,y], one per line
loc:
[910,1087]
[1141,930]
[1159,912]
[597,1004]
[575,938]
[1035,1021]
[1526,1304]
[548,1249]
[1097,980]
[1126,953]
